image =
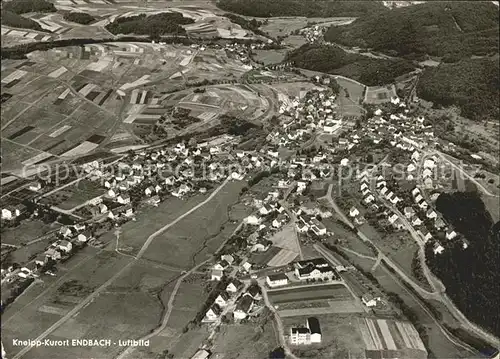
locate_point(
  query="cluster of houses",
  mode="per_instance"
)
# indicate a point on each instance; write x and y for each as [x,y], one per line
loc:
[243,303]
[410,135]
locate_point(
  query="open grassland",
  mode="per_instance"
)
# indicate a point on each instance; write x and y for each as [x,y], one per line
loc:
[25,232]
[310,292]
[242,341]
[28,320]
[190,240]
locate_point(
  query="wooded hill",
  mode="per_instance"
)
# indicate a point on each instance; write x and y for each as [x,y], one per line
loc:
[452,30]
[153,25]
[333,60]
[471,84]
[307,8]
[471,276]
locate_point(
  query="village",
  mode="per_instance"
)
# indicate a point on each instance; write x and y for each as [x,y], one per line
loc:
[386,169]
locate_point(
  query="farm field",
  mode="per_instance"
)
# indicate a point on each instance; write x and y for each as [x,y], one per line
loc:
[310,292]
[74,196]
[437,342]
[379,94]
[31,319]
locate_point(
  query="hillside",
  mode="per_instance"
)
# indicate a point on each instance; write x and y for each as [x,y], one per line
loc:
[12,19]
[153,25]
[473,286]
[307,8]
[471,84]
[451,29]
[333,60]
[26,6]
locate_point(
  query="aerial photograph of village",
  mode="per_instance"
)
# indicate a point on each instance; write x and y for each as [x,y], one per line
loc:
[250,179]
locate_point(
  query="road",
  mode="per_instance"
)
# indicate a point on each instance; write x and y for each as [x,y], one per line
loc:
[279,323]
[323,251]
[438,296]
[100,289]
[339,212]
[461,170]
[170,307]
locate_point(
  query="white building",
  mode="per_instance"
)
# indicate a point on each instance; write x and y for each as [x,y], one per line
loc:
[276,280]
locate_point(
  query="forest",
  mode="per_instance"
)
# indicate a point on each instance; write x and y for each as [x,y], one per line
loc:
[452,30]
[471,84]
[472,275]
[12,19]
[307,8]
[333,60]
[12,10]
[25,6]
[153,25]
[79,17]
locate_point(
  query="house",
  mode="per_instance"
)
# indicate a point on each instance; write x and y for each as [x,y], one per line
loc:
[416,222]
[427,173]
[11,212]
[222,265]
[127,210]
[266,209]
[300,336]
[65,246]
[40,260]
[65,232]
[233,286]
[450,234]
[30,268]
[312,324]
[222,299]
[369,300]
[369,199]
[353,212]
[201,354]
[149,191]
[35,186]
[228,258]
[423,205]
[243,307]
[313,272]
[252,220]
[216,274]
[254,292]
[276,280]
[425,234]
[213,313]
[431,214]
[438,248]
[123,198]
[112,193]
[53,254]
[154,200]
[102,208]
[439,223]
[317,227]
[84,237]
[409,212]
[415,192]
[246,266]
